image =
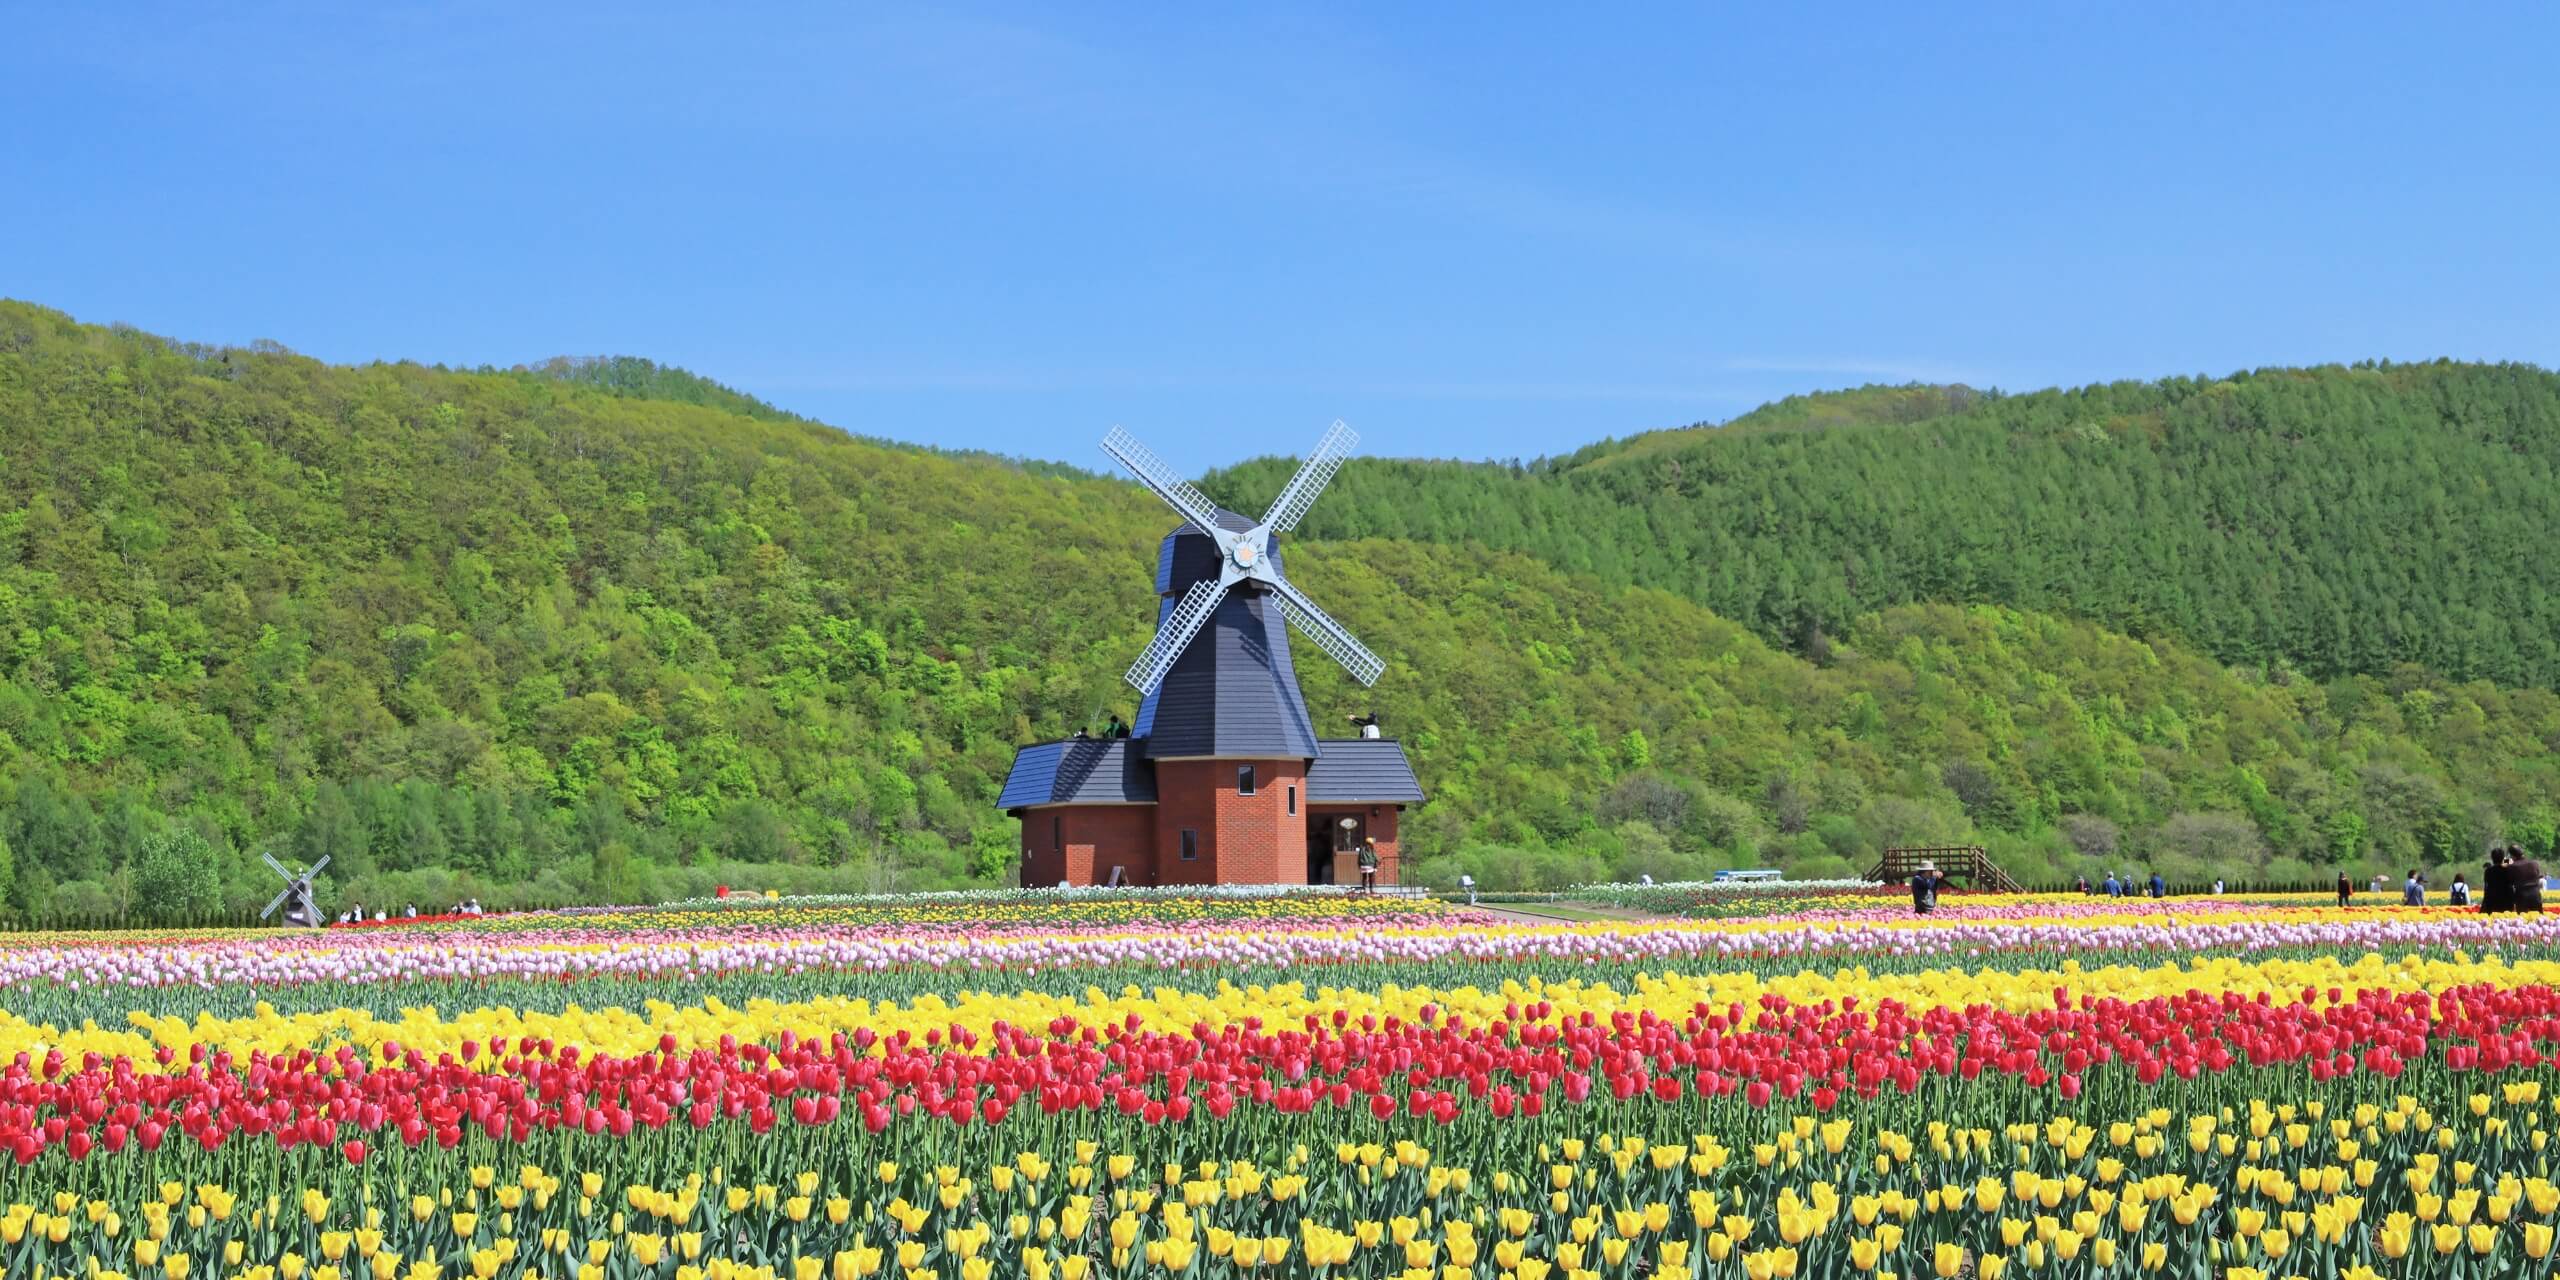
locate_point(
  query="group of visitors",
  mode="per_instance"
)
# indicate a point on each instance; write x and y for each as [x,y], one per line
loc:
[1118,728]
[2126,887]
[2510,881]
[354,914]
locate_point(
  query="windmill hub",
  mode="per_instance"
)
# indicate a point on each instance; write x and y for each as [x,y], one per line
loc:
[1244,554]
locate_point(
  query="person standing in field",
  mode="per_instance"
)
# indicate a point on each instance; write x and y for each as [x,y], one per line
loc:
[2346,889]
[2413,891]
[2528,882]
[1369,865]
[2459,894]
[1924,888]
[2496,890]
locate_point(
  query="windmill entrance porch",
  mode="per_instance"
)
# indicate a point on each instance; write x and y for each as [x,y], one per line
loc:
[1334,833]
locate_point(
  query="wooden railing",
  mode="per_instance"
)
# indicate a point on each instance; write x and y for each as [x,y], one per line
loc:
[1965,864]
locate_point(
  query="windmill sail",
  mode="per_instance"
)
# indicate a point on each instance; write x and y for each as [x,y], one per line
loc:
[1316,625]
[1168,484]
[1197,605]
[1243,557]
[1313,475]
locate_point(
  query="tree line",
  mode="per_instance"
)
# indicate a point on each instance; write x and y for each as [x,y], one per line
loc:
[534,638]
[2338,520]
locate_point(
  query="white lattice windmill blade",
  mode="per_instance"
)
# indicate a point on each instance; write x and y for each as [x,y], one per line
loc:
[1243,557]
[1168,484]
[1313,475]
[1192,613]
[1329,635]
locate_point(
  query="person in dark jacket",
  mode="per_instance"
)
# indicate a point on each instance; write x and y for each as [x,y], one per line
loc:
[2159,887]
[2496,891]
[1924,888]
[2528,883]
[2346,889]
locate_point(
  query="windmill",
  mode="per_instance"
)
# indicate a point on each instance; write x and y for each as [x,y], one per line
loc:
[1246,558]
[304,911]
[1223,778]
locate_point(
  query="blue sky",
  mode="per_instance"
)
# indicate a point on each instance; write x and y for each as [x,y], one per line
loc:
[1474,231]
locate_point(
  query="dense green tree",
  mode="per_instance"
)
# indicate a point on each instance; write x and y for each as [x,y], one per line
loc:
[176,874]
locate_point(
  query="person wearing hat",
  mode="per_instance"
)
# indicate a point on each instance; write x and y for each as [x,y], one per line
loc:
[1369,865]
[1924,888]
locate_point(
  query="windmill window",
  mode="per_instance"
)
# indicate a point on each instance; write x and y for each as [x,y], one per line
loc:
[1190,846]
[1293,800]
[1244,780]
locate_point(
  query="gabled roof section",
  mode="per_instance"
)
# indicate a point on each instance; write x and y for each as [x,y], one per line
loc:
[1079,771]
[1362,771]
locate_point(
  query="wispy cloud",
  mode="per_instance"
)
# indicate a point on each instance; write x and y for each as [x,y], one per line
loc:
[1050,381]
[1883,369]
[1664,393]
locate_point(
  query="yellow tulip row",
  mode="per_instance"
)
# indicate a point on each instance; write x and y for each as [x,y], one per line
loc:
[2262,1178]
[1670,995]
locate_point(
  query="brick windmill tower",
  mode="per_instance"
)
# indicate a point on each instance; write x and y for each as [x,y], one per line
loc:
[1223,779]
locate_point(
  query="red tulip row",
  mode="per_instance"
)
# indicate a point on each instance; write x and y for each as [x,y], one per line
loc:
[1520,1064]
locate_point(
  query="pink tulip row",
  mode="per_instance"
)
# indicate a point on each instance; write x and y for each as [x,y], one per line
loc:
[393,958]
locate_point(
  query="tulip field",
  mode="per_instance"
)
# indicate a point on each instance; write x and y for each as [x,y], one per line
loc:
[1093,1086]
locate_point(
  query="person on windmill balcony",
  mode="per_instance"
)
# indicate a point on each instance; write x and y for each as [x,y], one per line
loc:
[1368,724]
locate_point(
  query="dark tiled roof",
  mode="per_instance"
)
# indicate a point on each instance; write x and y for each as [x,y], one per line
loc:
[1362,771]
[1233,692]
[1079,771]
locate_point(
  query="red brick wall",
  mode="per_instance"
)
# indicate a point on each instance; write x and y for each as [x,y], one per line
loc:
[1096,837]
[1186,798]
[1381,828]
[1241,839]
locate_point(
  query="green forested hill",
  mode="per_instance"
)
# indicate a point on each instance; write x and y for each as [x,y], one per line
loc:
[530,638]
[2334,520]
